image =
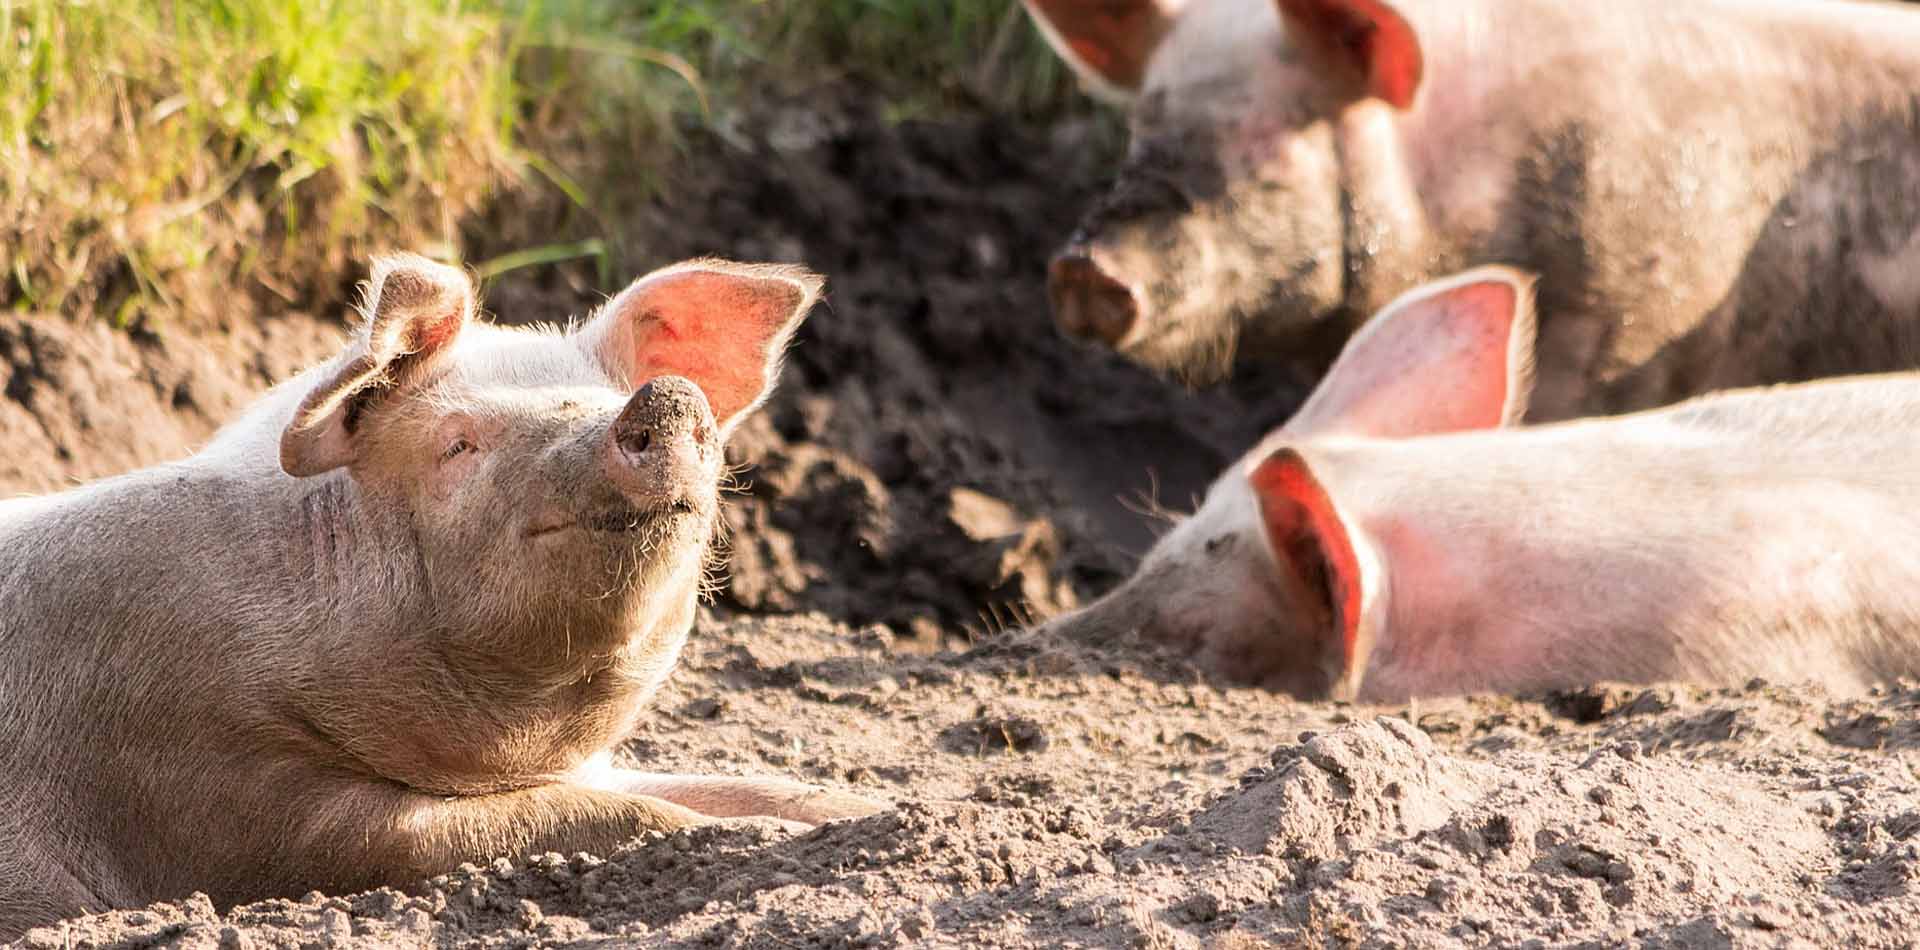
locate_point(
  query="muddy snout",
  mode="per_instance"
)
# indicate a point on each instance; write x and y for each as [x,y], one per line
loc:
[663,450]
[1090,299]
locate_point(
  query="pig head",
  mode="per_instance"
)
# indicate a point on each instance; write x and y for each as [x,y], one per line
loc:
[1739,188]
[1266,583]
[522,505]
[1400,536]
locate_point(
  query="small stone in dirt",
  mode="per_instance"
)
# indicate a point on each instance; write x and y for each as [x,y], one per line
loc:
[994,733]
[925,629]
[874,636]
[706,707]
[335,924]
[982,517]
[1600,701]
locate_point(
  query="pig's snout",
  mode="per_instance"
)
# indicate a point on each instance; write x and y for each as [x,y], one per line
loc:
[661,448]
[1090,301]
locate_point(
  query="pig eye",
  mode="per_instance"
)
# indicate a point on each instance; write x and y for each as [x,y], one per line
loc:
[459,446]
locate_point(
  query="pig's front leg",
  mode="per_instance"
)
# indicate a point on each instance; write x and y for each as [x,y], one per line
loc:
[722,796]
[408,836]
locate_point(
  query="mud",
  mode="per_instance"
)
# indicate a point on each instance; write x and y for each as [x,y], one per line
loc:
[940,465]
[1048,796]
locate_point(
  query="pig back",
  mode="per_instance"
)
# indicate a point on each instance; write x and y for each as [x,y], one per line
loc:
[1764,532]
[144,630]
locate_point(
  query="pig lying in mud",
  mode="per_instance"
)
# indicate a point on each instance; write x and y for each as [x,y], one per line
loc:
[1715,193]
[1397,539]
[394,618]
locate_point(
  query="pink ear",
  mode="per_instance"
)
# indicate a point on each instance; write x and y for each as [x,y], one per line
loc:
[415,309]
[1315,550]
[720,324]
[1108,42]
[1448,356]
[1368,37]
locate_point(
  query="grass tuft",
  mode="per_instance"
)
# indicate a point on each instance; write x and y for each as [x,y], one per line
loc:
[160,158]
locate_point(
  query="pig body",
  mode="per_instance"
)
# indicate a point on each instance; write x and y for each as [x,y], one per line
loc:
[395,617]
[1394,540]
[1714,193]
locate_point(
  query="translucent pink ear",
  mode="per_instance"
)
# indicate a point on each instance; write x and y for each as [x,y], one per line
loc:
[1448,356]
[1108,42]
[1367,39]
[415,309]
[1318,555]
[720,324]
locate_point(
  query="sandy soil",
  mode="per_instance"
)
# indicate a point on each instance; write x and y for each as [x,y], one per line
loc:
[938,466]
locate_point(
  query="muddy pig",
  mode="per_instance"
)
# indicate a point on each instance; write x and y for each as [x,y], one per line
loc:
[395,617]
[1398,538]
[1715,193]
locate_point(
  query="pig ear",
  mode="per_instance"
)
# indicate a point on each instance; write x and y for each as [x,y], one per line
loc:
[1328,569]
[720,324]
[1107,42]
[1448,356]
[414,309]
[1366,39]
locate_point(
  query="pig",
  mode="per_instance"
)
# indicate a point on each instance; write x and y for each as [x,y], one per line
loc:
[395,617]
[1401,537]
[1714,193]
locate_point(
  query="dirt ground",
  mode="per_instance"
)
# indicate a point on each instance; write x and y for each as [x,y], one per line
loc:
[940,466]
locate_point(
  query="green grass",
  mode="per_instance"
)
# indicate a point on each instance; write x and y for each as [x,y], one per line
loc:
[158,155]
[150,148]
[919,52]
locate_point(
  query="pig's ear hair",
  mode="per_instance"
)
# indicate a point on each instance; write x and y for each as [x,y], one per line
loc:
[720,324]
[1449,356]
[1107,42]
[1368,40]
[1327,569]
[414,308]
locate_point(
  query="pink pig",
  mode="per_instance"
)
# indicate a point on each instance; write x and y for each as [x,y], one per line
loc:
[398,616]
[1715,193]
[1398,537]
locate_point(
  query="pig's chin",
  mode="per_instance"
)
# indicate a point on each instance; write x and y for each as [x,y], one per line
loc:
[1200,338]
[1177,347]
[1193,367]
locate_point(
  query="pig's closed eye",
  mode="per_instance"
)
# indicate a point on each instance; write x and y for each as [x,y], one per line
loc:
[459,446]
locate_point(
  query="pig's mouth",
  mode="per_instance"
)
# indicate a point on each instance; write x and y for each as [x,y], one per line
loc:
[619,520]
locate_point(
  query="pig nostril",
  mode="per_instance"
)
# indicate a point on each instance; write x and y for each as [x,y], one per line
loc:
[1087,302]
[1112,314]
[668,416]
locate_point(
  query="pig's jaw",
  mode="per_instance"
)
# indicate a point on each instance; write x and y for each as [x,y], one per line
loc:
[541,688]
[623,525]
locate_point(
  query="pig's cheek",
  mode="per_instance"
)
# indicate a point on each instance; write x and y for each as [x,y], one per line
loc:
[449,479]
[1179,625]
